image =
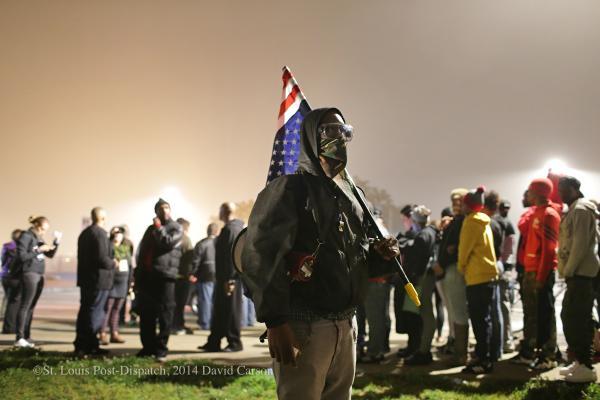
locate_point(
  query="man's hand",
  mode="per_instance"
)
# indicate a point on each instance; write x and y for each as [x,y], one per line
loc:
[283,345]
[116,263]
[229,287]
[45,248]
[193,279]
[156,222]
[438,271]
[388,248]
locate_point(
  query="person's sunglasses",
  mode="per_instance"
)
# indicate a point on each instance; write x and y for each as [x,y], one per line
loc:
[336,131]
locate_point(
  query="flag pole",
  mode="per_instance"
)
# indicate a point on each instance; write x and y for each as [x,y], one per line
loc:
[408,286]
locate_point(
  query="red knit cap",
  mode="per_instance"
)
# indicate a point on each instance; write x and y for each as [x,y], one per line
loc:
[474,199]
[542,187]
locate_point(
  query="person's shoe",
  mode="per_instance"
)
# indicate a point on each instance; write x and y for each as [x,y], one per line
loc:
[371,359]
[419,358]
[99,352]
[209,349]
[543,364]
[232,349]
[116,338]
[564,371]
[478,368]
[144,353]
[80,353]
[522,359]
[161,358]
[103,338]
[178,332]
[188,331]
[23,344]
[405,352]
[582,374]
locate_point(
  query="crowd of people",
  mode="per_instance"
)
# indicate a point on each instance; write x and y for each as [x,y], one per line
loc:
[462,265]
[465,263]
[156,281]
[313,260]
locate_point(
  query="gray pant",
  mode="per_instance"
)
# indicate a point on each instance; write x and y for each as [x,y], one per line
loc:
[377,310]
[429,323]
[456,294]
[32,284]
[325,368]
[506,306]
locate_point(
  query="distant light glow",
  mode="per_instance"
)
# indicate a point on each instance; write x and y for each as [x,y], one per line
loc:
[556,165]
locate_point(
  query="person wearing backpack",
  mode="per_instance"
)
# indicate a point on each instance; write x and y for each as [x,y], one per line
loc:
[306,264]
[10,283]
[32,251]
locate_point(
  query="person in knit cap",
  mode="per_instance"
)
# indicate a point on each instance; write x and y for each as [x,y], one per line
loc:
[477,262]
[540,261]
[156,272]
[453,283]
[579,264]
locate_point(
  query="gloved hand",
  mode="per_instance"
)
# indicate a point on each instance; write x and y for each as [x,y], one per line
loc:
[388,248]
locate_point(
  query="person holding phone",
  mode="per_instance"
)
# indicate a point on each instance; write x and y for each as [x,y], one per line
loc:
[32,251]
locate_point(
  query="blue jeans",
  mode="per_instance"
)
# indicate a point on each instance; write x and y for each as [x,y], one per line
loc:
[248,312]
[377,306]
[205,303]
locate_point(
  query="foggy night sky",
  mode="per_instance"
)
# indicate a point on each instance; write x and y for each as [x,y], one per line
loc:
[114,102]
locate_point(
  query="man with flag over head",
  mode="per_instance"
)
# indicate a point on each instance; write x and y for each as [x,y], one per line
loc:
[306,260]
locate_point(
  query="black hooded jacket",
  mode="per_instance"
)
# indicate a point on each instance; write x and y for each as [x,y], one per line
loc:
[288,216]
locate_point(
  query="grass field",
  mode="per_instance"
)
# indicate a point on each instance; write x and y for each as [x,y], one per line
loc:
[29,374]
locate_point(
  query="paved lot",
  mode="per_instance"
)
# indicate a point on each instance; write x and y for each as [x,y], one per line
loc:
[54,320]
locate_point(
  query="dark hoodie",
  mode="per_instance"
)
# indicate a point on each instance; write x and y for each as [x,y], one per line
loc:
[288,216]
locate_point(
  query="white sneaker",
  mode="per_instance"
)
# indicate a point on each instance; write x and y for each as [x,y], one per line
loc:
[24,344]
[582,374]
[564,371]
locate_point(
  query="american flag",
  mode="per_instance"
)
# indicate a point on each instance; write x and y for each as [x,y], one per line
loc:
[286,147]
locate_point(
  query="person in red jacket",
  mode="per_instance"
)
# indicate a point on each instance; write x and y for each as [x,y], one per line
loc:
[540,261]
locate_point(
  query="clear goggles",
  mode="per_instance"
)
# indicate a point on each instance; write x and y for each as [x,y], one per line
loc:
[336,131]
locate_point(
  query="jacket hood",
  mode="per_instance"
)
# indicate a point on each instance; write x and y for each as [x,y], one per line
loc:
[480,218]
[310,143]
[584,204]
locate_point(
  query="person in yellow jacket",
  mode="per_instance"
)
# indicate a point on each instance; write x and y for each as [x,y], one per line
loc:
[477,262]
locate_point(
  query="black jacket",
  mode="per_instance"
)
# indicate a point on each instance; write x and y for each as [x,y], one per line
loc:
[160,251]
[224,269]
[418,253]
[287,217]
[28,258]
[95,263]
[203,261]
[448,252]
